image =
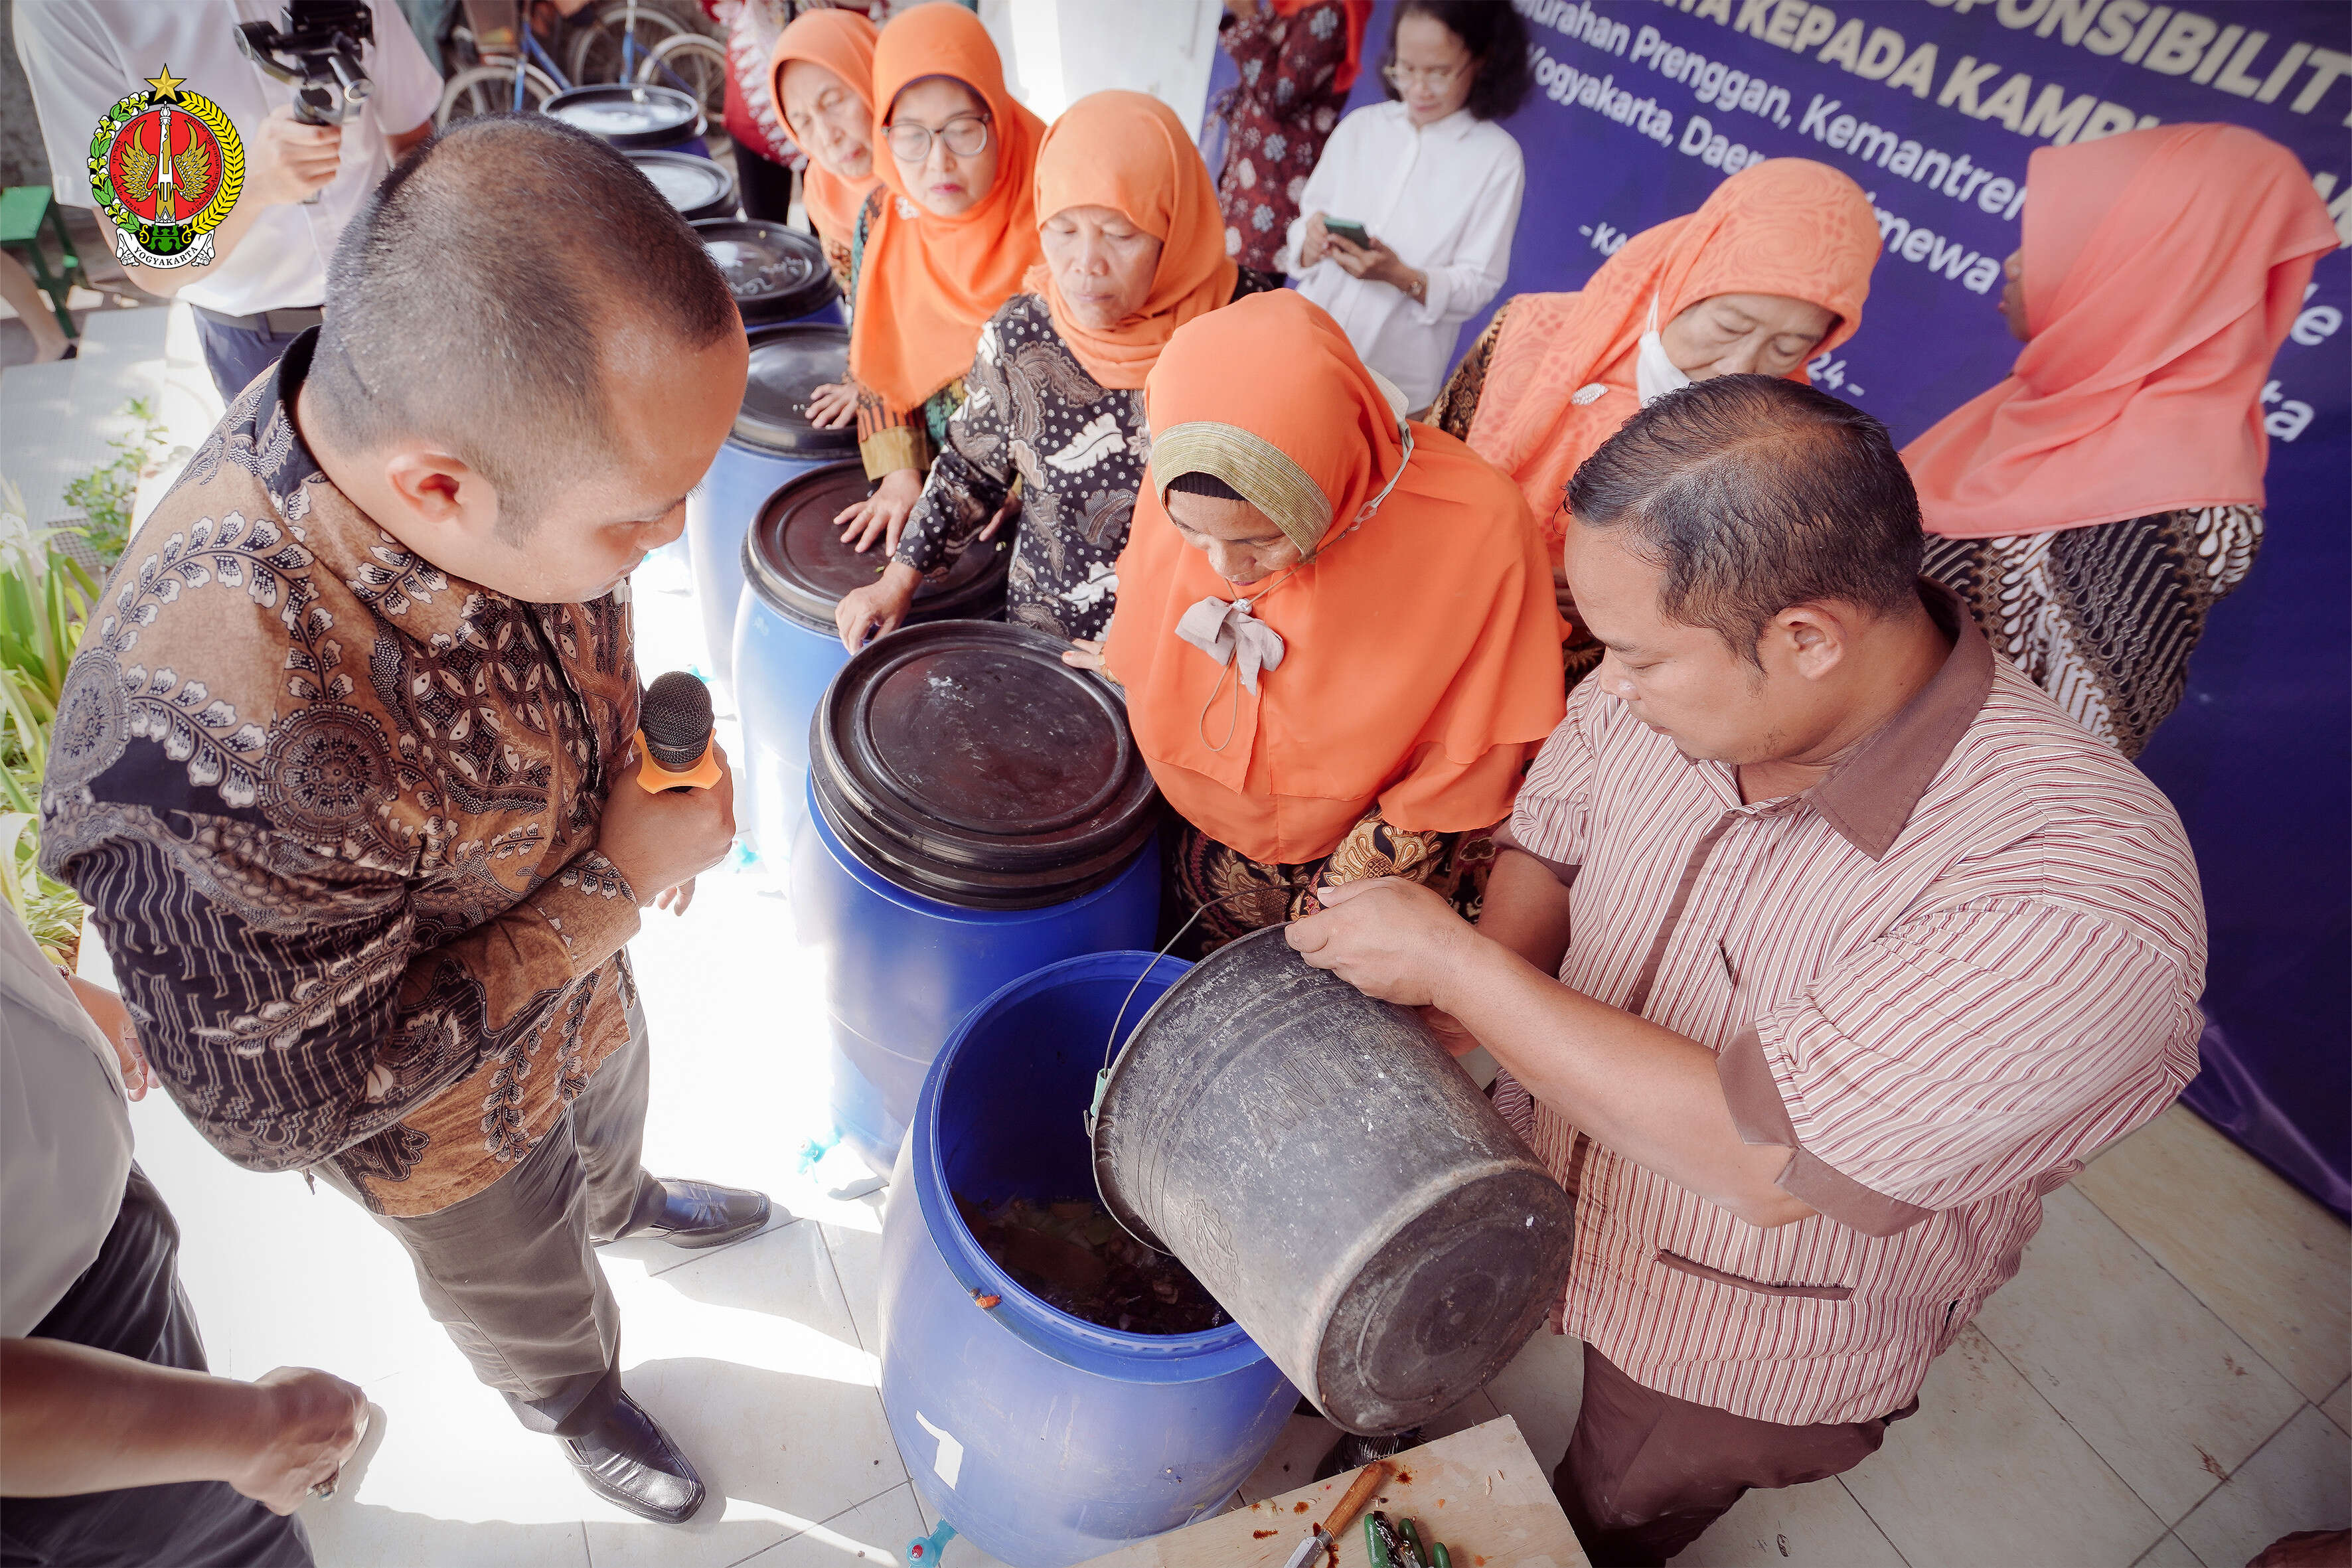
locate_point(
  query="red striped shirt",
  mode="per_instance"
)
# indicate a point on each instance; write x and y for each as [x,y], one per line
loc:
[1943,977]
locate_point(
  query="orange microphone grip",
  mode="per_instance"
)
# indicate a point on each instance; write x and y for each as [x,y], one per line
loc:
[654,778]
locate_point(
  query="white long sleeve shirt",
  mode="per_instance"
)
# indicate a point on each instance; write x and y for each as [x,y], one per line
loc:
[1445,198]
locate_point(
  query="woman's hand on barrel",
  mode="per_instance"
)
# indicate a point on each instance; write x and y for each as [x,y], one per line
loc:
[1084,654]
[883,515]
[1387,937]
[878,608]
[833,406]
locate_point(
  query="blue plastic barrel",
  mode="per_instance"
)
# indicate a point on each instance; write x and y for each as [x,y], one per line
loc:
[695,185]
[772,443]
[795,569]
[1044,1438]
[976,810]
[776,273]
[634,117]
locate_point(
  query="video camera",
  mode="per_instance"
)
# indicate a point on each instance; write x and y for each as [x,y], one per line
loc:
[318,50]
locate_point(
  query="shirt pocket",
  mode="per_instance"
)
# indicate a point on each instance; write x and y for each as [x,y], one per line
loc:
[1676,1261]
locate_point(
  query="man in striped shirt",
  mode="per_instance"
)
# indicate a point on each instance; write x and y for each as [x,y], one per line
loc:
[1824,947]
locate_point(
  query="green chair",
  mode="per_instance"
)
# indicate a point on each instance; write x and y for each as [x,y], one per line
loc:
[24,210]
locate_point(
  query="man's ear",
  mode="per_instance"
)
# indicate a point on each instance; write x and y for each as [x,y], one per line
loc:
[440,491]
[1815,639]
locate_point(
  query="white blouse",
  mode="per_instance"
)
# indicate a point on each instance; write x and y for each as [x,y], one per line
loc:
[1445,198]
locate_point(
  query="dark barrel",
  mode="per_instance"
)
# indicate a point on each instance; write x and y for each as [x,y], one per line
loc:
[795,569]
[1339,1186]
[696,186]
[773,443]
[776,274]
[965,761]
[976,810]
[633,118]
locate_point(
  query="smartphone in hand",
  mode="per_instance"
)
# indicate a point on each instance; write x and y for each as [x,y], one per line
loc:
[1348,230]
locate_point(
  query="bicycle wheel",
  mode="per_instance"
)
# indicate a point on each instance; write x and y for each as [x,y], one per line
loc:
[598,49]
[489,90]
[695,66]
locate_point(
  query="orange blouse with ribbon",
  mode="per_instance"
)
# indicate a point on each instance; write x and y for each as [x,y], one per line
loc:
[1419,663]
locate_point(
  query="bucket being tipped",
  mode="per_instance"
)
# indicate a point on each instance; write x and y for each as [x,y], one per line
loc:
[1338,1184]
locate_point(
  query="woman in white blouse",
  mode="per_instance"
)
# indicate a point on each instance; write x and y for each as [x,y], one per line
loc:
[1434,181]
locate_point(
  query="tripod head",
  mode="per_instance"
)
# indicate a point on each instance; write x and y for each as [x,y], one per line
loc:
[318,50]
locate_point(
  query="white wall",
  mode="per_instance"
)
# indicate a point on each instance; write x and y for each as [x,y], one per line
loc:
[1057,51]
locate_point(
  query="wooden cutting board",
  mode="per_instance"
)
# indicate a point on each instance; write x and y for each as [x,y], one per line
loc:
[1479,1491]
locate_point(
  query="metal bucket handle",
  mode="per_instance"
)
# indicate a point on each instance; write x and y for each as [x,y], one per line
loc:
[1102,1077]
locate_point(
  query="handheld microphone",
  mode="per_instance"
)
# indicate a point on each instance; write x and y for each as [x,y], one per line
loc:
[674,735]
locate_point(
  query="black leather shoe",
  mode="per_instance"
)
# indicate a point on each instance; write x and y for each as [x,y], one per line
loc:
[699,1213]
[1353,1453]
[626,1459]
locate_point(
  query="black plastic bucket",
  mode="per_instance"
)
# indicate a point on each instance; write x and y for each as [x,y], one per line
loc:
[1336,1181]
[776,274]
[697,188]
[631,117]
[965,761]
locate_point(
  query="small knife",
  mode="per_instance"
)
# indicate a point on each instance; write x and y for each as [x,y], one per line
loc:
[1319,1538]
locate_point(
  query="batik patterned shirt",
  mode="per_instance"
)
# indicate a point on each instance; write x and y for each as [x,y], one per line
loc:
[1277,119]
[335,812]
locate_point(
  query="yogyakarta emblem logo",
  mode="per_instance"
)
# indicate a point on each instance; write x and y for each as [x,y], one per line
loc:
[166,167]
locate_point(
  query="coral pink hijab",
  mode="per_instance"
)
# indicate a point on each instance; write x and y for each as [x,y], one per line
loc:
[1787,225]
[2162,268]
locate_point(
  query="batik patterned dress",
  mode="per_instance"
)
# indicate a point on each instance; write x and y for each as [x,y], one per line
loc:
[1277,120]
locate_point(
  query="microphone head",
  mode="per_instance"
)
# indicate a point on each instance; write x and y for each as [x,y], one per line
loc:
[674,718]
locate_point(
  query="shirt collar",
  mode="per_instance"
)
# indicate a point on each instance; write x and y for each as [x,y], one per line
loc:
[1870,796]
[424,601]
[1452,128]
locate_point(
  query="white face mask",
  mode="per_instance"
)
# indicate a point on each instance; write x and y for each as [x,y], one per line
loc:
[1655,375]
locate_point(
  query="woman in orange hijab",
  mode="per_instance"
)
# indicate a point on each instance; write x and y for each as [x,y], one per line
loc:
[1771,270]
[822,77]
[1335,629]
[2092,508]
[947,239]
[1134,249]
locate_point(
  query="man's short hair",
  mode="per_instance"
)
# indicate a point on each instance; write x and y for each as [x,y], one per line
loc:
[1755,493]
[468,302]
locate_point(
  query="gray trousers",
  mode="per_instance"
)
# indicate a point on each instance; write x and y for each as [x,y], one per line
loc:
[511,1271]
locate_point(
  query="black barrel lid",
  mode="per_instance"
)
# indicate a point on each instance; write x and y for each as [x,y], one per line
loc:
[776,274]
[794,558]
[628,116]
[790,359]
[965,761]
[696,186]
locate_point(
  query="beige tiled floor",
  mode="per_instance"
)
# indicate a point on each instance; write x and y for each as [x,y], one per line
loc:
[2166,1383]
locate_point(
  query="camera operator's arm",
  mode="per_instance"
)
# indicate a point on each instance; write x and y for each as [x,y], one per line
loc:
[284,996]
[74,1419]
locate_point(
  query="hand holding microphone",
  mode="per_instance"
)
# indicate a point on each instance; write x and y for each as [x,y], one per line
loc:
[671,814]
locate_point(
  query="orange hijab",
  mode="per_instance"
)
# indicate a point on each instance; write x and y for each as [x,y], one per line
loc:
[843,43]
[1418,640]
[1128,151]
[2162,268]
[927,283]
[1788,226]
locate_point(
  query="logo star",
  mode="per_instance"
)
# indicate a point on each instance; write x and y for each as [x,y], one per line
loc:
[165,84]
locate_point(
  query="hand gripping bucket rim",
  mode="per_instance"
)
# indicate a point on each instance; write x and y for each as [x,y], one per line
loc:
[1392,1265]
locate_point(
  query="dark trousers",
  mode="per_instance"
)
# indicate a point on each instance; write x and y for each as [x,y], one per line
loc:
[511,1271]
[1646,1473]
[130,1301]
[764,188]
[237,355]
